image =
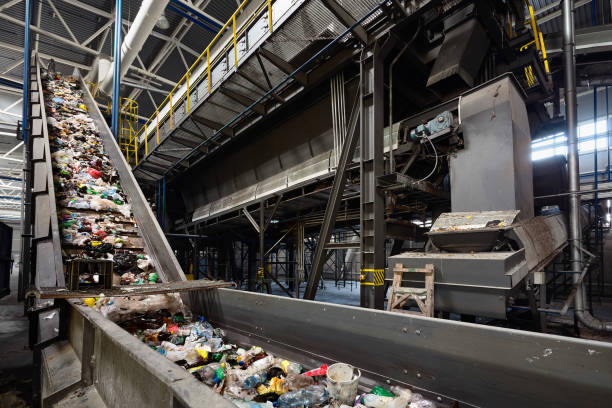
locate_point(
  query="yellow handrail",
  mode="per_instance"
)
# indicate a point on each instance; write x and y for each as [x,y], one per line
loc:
[185,78]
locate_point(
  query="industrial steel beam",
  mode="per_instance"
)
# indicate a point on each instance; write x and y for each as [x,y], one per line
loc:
[346,19]
[283,65]
[244,100]
[372,199]
[335,197]
[212,124]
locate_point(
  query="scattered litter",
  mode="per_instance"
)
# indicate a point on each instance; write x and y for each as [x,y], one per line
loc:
[94,215]
[251,377]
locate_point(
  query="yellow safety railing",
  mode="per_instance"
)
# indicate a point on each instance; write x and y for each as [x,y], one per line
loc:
[538,38]
[187,78]
[128,126]
[538,41]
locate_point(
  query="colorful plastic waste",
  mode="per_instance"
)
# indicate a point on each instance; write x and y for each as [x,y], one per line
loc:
[94,214]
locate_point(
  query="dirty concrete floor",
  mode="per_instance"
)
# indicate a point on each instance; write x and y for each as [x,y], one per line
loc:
[15,356]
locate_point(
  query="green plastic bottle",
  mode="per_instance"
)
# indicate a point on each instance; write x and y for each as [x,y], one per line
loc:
[381,391]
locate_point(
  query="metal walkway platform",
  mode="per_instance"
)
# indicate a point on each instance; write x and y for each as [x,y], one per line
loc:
[265,55]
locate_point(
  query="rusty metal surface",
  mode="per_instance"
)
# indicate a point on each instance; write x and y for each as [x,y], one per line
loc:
[471,220]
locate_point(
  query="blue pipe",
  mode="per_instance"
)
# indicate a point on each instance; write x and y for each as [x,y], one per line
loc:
[198,13]
[10,178]
[26,72]
[594,12]
[194,20]
[10,84]
[117,70]
[10,198]
[283,82]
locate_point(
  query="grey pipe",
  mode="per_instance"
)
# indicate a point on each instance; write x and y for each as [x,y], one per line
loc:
[569,66]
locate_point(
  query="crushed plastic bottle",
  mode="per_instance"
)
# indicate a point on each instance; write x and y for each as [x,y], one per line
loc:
[380,401]
[402,392]
[296,382]
[313,395]
[254,380]
[291,367]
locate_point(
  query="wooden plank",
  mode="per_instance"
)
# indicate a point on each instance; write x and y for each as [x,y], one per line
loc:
[132,290]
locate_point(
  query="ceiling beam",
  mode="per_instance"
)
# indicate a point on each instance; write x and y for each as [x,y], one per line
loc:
[46,33]
[228,131]
[346,19]
[283,65]
[109,15]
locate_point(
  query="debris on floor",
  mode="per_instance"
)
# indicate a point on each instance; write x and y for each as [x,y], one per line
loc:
[94,215]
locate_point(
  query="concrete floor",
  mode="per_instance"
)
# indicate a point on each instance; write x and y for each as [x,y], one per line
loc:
[15,356]
[343,295]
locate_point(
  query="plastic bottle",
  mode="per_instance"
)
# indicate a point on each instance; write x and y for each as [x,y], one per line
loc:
[402,392]
[247,357]
[380,401]
[418,401]
[260,365]
[254,380]
[208,373]
[251,404]
[312,395]
[291,367]
[296,382]
[377,390]
[424,403]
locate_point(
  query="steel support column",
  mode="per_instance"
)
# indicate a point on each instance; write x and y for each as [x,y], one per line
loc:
[372,206]
[262,254]
[299,257]
[25,273]
[335,197]
[117,70]
[26,71]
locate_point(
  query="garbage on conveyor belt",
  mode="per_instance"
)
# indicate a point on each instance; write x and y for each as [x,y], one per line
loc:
[95,217]
[250,377]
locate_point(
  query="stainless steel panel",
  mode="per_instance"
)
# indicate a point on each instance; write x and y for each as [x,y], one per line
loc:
[51,270]
[38,148]
[488,269]
[42,222]
[45,266]
[475,364]
[40,177]
[468,220]
[494,170]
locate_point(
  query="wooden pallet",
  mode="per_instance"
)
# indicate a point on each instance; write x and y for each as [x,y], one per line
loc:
[399,295]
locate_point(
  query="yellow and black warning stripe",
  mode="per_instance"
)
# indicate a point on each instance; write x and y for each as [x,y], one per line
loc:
[372,277]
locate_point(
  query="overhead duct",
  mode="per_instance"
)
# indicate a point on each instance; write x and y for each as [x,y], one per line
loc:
[146,19]
[460,57]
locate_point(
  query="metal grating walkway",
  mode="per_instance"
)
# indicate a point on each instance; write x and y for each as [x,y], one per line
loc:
[251,65]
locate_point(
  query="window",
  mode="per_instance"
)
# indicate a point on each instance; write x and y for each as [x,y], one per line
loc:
[556,144]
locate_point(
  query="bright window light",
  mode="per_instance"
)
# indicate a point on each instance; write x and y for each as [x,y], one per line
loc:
[556,144]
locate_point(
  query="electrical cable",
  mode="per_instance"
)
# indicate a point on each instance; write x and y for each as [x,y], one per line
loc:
[435,164]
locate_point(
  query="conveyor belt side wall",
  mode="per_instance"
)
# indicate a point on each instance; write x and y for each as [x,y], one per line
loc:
[46,253]
[476,365]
